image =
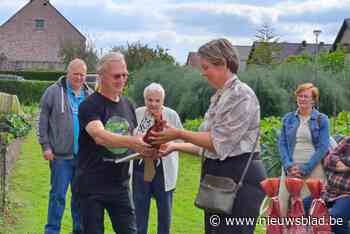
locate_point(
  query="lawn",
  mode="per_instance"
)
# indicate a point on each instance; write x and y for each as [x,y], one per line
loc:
[29,187]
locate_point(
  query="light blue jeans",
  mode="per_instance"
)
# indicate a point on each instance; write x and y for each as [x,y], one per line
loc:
[62,174]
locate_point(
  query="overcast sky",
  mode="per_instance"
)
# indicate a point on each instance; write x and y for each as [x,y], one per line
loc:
[184,25]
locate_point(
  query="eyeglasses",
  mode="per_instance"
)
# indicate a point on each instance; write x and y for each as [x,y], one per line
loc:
[120,75]
[304,96]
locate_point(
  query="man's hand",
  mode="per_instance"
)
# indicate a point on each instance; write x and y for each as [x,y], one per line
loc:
[139,146]
[48,155]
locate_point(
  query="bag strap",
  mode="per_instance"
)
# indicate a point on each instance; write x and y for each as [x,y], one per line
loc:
[318,120]
[248,163]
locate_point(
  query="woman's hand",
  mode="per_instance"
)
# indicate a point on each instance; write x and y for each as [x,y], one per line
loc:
[341,167]
[294,171]
[168,134]
[167,148]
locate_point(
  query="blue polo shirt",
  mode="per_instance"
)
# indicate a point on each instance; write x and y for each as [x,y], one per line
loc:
[74,102]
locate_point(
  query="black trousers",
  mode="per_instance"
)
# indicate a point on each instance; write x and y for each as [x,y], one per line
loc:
[249,198]
[119,208]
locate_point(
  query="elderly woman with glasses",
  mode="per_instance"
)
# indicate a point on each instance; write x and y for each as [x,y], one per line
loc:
[303,142]
[162,173]
[227,136]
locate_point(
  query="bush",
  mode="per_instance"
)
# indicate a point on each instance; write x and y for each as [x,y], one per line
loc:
[37,75]
[186,92]
[275,86]
[193,124]
[28,92]
[16,125]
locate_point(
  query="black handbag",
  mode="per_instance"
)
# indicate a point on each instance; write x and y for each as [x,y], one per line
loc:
[217,194]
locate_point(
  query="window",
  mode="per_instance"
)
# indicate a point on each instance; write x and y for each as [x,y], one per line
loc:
[39,23]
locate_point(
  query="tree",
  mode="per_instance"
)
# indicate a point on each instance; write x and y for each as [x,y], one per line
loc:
[266,48]
[71,50]
[137,54]
[266,34]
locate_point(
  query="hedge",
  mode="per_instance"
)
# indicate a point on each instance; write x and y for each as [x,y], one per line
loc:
[28,92]
[37,75]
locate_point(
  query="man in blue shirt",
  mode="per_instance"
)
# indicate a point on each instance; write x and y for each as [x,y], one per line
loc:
[58,133]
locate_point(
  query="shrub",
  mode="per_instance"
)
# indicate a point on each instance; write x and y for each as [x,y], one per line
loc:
[16,125]
[37,75]
[27,91]
[186,92]
[193,124]
[275,85]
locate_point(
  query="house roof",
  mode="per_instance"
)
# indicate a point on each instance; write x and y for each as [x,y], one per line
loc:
[346,25]
[243,52]
[287,49]
[47,2]
[193,58]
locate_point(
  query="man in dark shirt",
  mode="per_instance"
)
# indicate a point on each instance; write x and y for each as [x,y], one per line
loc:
[107,120]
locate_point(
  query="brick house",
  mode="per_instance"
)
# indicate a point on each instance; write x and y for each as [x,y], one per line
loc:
[33,37]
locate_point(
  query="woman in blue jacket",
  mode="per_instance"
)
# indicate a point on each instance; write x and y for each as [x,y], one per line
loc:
[303,142]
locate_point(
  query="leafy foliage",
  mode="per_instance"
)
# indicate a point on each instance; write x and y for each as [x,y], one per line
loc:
[193,124]
[71,50]
[266,49]
[37,75]
[269,133]
[15,126]
[28,92]
[136,55]
[186,92]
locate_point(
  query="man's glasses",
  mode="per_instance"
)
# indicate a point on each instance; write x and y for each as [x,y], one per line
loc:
[120,76]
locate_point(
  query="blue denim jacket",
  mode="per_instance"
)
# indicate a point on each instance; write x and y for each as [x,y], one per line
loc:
[320,139]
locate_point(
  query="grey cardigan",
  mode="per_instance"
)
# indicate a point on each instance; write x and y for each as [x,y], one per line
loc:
[55,126]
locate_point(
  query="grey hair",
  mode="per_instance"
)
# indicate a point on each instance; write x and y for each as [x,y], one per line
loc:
[75,62]
[220,52]
[106,59]
[154,87]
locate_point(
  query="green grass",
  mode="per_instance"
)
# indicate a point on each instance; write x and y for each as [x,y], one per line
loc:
[27,198]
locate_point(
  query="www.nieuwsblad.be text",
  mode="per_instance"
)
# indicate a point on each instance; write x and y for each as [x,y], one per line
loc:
[216,221]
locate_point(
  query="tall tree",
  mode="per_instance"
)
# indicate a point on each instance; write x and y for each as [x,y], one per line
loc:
[71,50]
[266,48]
[136,55]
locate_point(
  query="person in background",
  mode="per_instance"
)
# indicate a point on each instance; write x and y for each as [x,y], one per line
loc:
[337,191]
[164,171]
[303,142]
[58,132]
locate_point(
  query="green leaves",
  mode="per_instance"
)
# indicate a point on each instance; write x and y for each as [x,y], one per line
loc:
[16,125]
